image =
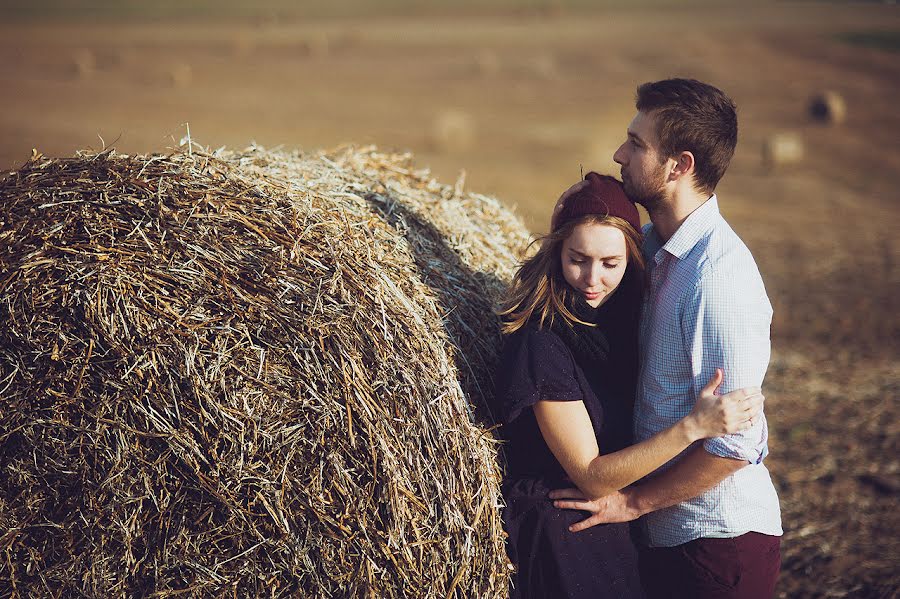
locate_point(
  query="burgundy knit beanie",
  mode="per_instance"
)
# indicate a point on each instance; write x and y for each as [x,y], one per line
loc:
[604,196]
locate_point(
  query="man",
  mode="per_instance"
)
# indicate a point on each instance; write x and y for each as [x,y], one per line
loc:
[710,522]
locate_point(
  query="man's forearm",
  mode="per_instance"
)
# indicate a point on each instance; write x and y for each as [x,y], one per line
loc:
[694,474]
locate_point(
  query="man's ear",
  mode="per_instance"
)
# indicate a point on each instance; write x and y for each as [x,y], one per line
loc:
[682,165]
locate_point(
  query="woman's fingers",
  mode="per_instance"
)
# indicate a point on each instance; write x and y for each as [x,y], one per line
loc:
[753,404]
[750,409]
[732,412]
[742,393]
[741,409]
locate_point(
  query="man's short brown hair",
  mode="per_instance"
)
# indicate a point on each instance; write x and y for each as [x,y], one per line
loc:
[695,117]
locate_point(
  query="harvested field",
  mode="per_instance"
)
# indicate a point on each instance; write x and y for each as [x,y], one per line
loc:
[249,374]
[546,87]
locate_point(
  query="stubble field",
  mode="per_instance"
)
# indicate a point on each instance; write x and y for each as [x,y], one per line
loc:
[520,101]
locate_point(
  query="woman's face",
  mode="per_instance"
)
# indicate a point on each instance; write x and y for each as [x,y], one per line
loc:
[594,258]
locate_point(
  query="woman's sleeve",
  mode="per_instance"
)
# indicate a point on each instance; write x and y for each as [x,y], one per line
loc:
[536,365]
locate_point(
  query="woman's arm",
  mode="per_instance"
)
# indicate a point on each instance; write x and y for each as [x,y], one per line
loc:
[567,430]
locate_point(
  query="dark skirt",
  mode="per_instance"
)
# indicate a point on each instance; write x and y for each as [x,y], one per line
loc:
[553,562]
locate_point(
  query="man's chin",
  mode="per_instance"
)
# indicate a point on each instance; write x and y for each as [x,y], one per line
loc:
[649,201]
[630,191]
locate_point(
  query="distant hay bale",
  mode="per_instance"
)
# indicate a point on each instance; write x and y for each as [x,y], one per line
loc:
[453,130]
[124,56]
[348,38]
[249,374]
[487,64]
[828,107]
[268,19]
[316,45]
[552,8]
[181,75]
[782,149]
[84,63]
[242,44]
[545,66]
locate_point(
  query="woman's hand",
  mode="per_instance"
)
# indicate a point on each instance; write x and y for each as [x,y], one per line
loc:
[716,415]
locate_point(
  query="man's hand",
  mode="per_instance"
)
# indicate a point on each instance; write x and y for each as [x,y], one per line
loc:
[616,507]
[562,201]
[692,475]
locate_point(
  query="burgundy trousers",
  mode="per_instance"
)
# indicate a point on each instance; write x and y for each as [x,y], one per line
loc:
[745,567]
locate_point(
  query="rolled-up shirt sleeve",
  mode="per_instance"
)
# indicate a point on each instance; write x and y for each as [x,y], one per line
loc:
[728,328]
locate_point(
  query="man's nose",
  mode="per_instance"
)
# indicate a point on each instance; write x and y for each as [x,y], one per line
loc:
[618,157]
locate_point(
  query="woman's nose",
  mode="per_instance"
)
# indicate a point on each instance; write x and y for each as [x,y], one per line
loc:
[592,276]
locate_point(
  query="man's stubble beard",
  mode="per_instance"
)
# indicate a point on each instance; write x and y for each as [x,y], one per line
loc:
[648,193]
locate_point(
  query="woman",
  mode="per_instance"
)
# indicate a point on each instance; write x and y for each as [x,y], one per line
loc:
[566,386]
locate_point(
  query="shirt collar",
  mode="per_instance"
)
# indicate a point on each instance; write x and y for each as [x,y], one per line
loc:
[694,227]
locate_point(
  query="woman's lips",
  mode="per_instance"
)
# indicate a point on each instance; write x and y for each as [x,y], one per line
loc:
[592,296]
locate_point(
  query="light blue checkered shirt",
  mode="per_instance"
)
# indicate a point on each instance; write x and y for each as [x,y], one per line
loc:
[706,308]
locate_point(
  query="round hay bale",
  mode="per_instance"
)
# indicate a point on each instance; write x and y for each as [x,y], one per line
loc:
[316,45]
[782,149]
[552,9]
[243,44]
[453,131]
[248,374]
[181,75]
[84,63]
[487,64]
[545,66]
[828,107]
[125,57]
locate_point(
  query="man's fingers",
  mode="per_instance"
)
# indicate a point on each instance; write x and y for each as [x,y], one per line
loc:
[570,493]
[569,193]
[563,198]
[586,523]
[574,504]
[575,188]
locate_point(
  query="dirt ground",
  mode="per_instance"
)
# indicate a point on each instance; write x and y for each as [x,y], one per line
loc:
[521,103]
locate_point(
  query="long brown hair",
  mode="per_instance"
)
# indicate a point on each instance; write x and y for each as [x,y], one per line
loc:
[540,291]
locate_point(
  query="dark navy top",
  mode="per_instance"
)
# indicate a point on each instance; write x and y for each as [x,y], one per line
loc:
[537,365]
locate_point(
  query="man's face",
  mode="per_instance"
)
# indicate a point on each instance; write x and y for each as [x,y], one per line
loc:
[643,168]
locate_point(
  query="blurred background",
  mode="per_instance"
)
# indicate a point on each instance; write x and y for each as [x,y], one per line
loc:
[518,97]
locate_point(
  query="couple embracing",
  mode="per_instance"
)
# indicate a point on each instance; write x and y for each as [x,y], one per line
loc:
[629,383]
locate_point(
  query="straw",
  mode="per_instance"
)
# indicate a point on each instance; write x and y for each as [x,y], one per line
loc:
[254,373]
